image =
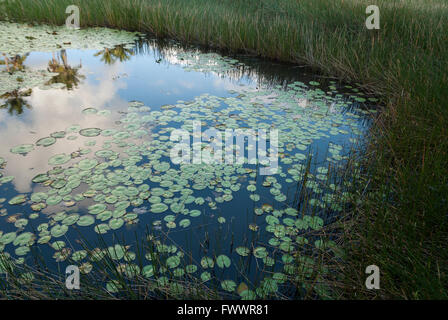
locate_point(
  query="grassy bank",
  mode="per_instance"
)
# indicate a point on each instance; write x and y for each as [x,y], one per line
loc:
[400,220]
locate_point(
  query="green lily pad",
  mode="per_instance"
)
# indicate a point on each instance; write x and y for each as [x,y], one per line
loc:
[71,219]
[173,262]
[21,251]
[116,252]
[40,178]
[105,215]
[223,261]
[6,179]
[24,239]
[22,149]
[58,134]
[116,223]
[89,111]
[85,221]
[90,132]
[148,271]
[79,255]
[46,142]
[87,164]
[20,223]
[158,207]
[243,251]
[8,238]
[205,276]
[195,213]
[102,228]
[316,223]
[59,159]
[228,285]
[59,230]
[44,239]
[113,286]
[53,200]
[191,268]
[58,245]
[97,208]
[184,223]
[18,199]
[207,262]
[58,184]
[260,252]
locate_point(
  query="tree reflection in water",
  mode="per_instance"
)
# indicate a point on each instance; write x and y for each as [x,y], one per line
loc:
[16,62]
[67,74]
[110,56]
[14,102]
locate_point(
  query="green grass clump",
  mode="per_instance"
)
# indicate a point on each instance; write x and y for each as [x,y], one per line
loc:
[400,220]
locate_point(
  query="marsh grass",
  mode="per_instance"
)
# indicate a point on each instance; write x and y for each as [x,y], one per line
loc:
[398,217]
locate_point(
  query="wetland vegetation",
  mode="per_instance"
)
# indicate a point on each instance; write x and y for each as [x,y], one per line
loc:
[362,145]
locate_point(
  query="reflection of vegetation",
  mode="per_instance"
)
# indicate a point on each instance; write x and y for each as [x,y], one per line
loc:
[15,102]
[266,73]
[66,74]
[16,62]
[110,56]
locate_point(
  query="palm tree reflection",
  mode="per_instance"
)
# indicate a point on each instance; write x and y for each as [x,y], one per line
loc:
[110,56]
[16,62]
[14,102]
[66,74]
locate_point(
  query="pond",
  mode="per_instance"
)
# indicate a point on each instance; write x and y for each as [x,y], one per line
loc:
[110,148]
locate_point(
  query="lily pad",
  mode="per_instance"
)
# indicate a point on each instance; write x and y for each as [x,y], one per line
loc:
[184,223]
[53,200]
[223,261]
[85,221]
[260,252]
[207,262]
[18,199]
[173,262]
[8,238]
[205,276]
[22,149]
[59,159]
[46,142]
[159,207]
[116,223]
[24,239]
[102,228]
[243,251]
[97,208]
[228,285]
[87,164]
[90,132]
[59,230]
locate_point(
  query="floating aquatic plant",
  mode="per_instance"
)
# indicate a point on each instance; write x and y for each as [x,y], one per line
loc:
[125,167]
[223,261]
[22,149]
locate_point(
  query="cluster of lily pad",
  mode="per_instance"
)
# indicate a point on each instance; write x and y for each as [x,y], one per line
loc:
[20,39]
[205,62]
[23,80]
[130,177]
[131,171]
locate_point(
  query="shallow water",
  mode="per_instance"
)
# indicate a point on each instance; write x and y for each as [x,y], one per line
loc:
[199,210]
